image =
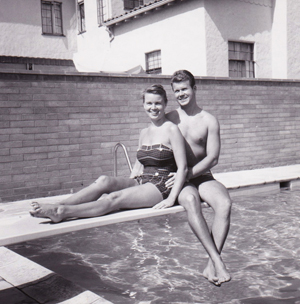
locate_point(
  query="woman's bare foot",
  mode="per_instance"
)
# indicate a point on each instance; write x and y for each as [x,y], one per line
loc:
[54,212]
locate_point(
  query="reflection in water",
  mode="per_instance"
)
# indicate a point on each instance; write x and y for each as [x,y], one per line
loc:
[159,260]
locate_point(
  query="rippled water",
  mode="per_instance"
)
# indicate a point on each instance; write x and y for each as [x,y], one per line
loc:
[159,260]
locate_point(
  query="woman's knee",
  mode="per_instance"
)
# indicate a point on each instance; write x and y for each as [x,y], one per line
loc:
[103,180]
[114,200]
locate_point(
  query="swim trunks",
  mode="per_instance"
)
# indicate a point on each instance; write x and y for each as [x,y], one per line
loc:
[158,161]
[205,177]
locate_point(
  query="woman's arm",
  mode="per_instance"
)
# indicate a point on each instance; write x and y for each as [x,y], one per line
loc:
[138,168]
[178,147]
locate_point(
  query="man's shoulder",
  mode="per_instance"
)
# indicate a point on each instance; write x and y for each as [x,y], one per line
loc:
[210,120]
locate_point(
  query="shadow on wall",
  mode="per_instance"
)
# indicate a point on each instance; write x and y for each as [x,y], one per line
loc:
[232,18]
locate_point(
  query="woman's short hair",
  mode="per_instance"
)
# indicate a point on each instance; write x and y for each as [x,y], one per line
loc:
[158,90]
[183,75]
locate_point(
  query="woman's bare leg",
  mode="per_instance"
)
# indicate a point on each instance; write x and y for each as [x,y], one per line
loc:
[141,196]
[104,184]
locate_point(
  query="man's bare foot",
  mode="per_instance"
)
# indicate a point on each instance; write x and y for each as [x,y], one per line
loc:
[222,273]
[209,273]
[53,212]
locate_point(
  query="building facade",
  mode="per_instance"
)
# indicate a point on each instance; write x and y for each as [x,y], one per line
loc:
[233,38]
[37,34]
[214,38]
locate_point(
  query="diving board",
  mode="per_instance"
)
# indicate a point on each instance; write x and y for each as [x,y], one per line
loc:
[17,225]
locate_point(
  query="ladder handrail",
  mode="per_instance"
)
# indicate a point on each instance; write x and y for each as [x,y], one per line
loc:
[115,157]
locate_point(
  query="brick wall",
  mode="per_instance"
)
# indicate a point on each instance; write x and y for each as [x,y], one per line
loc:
[58,131]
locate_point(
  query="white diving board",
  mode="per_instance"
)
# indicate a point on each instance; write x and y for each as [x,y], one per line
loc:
[17,225]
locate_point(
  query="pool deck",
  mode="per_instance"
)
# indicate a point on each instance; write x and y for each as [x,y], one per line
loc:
[20,277]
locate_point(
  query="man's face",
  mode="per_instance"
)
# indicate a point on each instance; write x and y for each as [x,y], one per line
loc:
[184,93]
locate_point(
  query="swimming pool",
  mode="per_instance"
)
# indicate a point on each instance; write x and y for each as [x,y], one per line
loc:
[159,260]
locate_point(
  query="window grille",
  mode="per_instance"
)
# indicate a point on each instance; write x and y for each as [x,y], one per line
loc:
[153,62]
[52,18]
[241,62]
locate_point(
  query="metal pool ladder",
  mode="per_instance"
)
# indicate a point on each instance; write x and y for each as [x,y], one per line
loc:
[115,157]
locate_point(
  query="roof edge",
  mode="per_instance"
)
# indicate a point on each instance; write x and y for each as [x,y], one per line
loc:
[138,11]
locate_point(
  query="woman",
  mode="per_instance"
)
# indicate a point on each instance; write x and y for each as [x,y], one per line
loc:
[161,151]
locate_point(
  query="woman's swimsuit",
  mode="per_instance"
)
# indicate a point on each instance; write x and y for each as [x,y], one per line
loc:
[158,161]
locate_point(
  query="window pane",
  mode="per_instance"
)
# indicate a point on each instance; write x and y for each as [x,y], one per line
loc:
[81,18]
[58,19]
[100,11]
[153,62]
[51,18]
[47,18]
[240,56]
[131,4]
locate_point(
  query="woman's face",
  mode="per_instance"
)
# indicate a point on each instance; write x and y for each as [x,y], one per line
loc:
[154,106]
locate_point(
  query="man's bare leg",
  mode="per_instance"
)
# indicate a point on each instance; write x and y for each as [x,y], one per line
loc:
[189,199]
[216,195]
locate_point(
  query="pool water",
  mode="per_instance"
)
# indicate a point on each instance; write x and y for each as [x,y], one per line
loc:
[159,260]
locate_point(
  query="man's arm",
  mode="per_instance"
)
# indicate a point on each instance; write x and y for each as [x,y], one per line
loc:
[213,146]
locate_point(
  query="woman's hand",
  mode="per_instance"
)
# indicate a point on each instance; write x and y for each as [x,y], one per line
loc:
[164,204]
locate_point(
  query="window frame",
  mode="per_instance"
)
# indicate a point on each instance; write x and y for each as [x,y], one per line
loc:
[53,18]
[241,62]
[131,4]
[156,60]
[81,17]
[100,12]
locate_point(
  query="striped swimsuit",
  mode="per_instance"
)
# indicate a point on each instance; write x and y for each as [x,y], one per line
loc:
[158,161]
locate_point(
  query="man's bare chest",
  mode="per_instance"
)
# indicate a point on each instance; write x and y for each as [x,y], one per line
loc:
[194,132]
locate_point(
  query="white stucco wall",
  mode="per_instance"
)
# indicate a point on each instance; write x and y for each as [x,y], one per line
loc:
[178,31]
[21,30]
[180,37]
[293,39]
[93,43]
[279,40]
[238,20]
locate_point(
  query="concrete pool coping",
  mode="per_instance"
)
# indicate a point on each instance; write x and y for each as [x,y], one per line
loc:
[22,280]
[16,224]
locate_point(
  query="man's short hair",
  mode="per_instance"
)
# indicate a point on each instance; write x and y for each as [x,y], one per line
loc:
[183,75]
[158,90]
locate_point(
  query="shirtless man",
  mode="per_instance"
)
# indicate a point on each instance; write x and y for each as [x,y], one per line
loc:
[202,136]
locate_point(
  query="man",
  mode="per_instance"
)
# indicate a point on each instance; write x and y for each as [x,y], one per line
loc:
[202,135]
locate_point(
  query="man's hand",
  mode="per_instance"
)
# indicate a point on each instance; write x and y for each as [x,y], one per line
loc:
[164,204]
[170,182]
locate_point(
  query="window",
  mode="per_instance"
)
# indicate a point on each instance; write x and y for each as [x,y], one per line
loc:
[81,17]
[101,11]
[241,62]
[131,4]
[52,18]
[153,62]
